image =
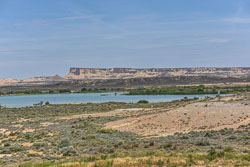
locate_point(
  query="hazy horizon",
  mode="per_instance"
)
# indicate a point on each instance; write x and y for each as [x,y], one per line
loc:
[45,38]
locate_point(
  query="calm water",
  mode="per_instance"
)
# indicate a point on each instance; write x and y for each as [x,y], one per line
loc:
[29,100]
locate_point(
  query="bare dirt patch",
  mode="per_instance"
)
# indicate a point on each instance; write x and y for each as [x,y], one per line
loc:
[27,130]
[27,144]
[35,152]
[45,124]
[2,130]
[5,155]
[193,117]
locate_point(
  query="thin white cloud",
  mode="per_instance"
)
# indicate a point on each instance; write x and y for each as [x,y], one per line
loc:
[113,36]
[92,18]
[77,17]
[237,20]
[219,40]
[148,46]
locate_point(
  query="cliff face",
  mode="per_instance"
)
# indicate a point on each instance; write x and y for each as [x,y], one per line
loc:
[120,73]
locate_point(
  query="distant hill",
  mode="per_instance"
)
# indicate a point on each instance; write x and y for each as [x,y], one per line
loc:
[34,80]
[123,73]
[131,77]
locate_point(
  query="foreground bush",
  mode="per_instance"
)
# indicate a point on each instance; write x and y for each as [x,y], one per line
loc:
[158,159]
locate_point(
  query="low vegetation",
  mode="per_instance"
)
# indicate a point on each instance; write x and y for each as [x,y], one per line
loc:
[58,91]
[34,92]
[59,135]
[153,158]
[185,90]
[143,101]
[100,90]
[171,90]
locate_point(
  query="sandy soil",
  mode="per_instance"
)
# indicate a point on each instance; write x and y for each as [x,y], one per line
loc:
[35,152]
[212,115]
[116,113]
[5,155]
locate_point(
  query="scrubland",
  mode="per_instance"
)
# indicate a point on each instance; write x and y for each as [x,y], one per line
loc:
[213,132]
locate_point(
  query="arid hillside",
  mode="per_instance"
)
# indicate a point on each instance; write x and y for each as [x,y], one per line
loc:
[227,112]
[46,85]
[130,78]
[31,81]
[119,73]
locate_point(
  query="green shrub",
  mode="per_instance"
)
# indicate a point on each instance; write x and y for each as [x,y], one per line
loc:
[104,157]
[63,143]
[89,137]
[38,145]
[109,163]
[143,102]
[16,148]
[228,149]
[51,92]
[64,91]
[107,130]
[68,151]
[221,154]
[202,142]
[160,163]
[212,154]
[90,159]
[84,89]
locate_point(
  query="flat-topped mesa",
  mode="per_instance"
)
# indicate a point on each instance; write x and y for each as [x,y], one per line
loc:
[119,73]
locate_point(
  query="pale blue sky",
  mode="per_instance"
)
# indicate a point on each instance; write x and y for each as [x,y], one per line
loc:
[47,37]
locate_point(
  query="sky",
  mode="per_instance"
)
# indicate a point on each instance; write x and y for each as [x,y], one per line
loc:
[47,37]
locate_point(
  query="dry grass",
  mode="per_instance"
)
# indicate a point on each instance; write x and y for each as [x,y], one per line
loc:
[157,159]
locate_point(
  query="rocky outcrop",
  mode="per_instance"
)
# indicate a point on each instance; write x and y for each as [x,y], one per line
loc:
[129,83]
[121,73]
[150,76]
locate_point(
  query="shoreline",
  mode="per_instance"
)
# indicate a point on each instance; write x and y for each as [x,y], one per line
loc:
[183,99]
